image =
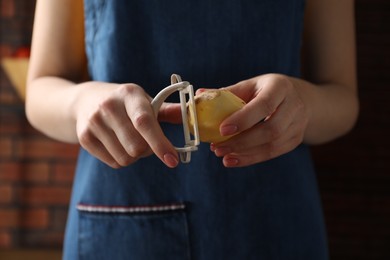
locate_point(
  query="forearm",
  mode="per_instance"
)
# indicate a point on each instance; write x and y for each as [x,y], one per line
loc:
[332,110]
[49,107]
[52,103]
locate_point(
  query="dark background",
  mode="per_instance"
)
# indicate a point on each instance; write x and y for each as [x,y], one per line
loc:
[353,172]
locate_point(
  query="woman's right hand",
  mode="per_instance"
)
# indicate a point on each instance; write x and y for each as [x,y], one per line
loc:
[116,124]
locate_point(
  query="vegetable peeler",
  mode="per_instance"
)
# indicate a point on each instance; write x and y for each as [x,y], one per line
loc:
[184,88]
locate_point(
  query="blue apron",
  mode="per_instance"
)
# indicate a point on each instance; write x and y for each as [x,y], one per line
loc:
[200,210]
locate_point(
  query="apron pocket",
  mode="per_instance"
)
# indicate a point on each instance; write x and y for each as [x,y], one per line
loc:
[135,232]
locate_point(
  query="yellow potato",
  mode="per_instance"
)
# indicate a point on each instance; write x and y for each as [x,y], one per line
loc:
[212,107]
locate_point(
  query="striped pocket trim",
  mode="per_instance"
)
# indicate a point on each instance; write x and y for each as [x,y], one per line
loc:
[130,209]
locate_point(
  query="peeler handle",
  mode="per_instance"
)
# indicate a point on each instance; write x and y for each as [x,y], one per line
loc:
[176,85]
[184,87]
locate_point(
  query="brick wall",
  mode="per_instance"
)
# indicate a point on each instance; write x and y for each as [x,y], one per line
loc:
[35,172]
[353,172]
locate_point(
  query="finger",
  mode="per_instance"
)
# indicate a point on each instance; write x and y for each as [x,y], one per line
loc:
[262,133]
[90,143]
[265,102]
[245,89]
[115,116]
[253,137]
[200,90]
[271,131]
[261,154]
[142,117]
[170,113]
[107,136]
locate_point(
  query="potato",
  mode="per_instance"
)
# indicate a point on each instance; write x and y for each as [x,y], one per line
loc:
[212,107]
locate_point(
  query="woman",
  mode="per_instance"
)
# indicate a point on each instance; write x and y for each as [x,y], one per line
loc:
[251,197]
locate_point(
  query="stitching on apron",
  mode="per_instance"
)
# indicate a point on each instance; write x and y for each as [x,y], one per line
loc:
[130,209]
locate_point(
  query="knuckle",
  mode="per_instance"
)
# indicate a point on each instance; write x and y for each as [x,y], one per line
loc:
[128,89]
[107,106]
[93,120]
[86,138]
[138,150]
[93,123]
[142,120]
[282,81]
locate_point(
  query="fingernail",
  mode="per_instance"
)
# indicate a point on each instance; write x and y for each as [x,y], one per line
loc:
[222,151]
[230,162]
[228,130]
[170,160]
[212,147]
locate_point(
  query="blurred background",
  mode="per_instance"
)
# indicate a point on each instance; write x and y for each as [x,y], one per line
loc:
[353,172]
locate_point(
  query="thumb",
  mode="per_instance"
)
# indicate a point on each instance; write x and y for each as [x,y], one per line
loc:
[200,90]
[170,113]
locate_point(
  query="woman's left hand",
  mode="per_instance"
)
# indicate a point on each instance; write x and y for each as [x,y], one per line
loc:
[272,123]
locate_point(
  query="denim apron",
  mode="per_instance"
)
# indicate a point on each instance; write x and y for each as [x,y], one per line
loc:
[199,210]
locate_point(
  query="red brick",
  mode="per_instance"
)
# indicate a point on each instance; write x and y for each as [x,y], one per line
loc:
[44,148]
[6,194]
[5,239]
[24,172]
[20,218]
[58,219]
[63,172]
[5,147]
[52,239]
[43,195]
[13,123]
